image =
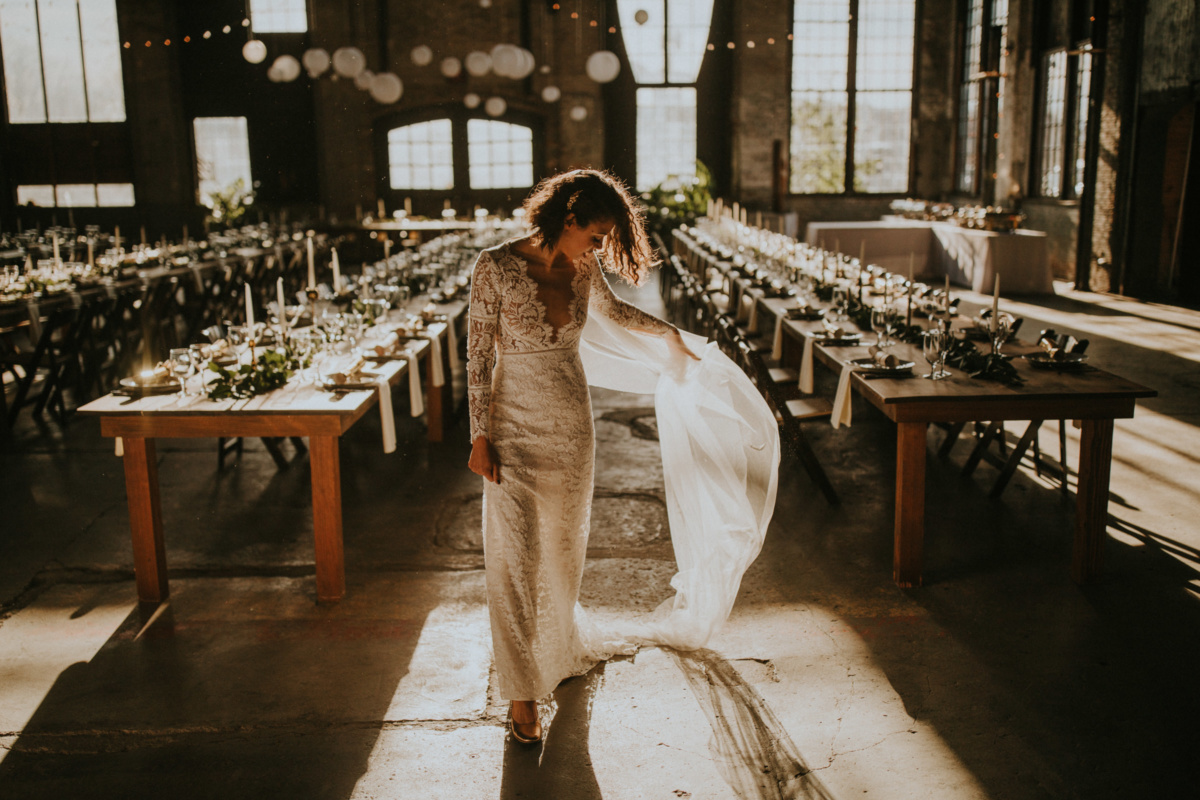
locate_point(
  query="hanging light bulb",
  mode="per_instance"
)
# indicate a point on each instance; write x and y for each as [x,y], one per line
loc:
[254,51]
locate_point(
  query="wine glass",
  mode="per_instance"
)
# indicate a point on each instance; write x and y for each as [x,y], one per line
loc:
[196,354]
[841,300]
[933,345]
[880,323]
[179,360]
[1000,333]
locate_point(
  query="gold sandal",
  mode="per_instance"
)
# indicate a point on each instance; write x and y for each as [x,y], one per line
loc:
[536,734]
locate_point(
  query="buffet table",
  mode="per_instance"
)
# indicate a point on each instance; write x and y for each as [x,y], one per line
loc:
[970,257]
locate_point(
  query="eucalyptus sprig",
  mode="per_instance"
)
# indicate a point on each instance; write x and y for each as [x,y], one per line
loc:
[270,372]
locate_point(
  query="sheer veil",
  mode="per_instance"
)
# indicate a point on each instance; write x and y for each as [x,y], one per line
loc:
[720,452]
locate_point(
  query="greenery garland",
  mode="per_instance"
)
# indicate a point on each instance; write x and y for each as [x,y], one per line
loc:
[270,372]
[961,353]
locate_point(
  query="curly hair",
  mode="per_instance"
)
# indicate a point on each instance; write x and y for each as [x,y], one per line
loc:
[590,196]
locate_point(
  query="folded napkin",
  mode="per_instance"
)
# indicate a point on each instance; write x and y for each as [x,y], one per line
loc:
[435,358]
[777,341]
[752,322]
[841,400]
[387,344]
[415,398]
[806,366]
[386,417]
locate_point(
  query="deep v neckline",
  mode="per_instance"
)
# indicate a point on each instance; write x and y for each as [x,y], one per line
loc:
[554,333]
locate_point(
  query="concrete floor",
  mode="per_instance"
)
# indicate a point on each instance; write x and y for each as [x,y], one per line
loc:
[999,679]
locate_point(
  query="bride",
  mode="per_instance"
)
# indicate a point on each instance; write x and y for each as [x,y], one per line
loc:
[533,439]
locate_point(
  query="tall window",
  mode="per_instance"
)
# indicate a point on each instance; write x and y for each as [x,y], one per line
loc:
[852,77]
[665,53]
[500,154]
[62,61]
[278,16]
[421,156]
[981,84]
[1062,130]
[222,155]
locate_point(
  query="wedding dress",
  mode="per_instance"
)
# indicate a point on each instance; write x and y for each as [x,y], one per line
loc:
[528,393]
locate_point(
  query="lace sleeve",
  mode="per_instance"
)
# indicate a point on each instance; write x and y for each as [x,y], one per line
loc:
[605,302]
[482,328]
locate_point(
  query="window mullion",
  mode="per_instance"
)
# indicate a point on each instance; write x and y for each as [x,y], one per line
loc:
[87,107]
[851,81]
[37,15]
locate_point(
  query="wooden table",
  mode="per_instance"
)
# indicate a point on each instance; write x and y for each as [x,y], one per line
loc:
[306,411]
[1096,398]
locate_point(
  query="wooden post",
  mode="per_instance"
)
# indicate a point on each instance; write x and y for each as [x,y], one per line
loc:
[145,519]
[327,517]
[1091,501]
[910,503]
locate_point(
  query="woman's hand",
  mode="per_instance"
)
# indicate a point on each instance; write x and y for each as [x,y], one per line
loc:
[675,345]
[483,460]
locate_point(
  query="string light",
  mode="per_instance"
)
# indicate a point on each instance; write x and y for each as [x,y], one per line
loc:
[771,40]
[731,45]
[750,44]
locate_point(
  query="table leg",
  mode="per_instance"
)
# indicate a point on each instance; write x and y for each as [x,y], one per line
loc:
[327,517]
[145,519]
[1091,501]
[910,503]
[438,399]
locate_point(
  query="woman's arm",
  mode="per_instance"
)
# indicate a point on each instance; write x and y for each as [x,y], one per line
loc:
[483,326]
[605,302]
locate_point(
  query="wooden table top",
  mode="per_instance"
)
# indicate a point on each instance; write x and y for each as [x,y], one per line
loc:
[1076,395]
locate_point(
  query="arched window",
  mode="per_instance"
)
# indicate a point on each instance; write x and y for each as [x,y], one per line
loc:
[500,154]
[450,152]
[421,156]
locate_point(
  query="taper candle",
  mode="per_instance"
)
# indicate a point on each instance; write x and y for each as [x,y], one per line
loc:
[91,253]
[249,307]
[337,271]
[279,299]
[312,271]
[996,304]
[382,208]
[56,258]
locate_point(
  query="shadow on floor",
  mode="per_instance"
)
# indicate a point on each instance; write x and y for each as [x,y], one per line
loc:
[246,690]
[750,747]
[561,766]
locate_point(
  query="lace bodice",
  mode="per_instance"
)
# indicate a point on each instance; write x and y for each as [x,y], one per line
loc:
[507,315]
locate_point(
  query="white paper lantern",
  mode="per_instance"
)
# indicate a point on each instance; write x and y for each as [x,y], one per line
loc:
[603,66]
[287,67]
[386,88]
[363,79]
[316,61]
[506,60]
[579,113]
[495,106]
[451,67]
[349,61]
[472,100]
[641,17]
[254,51]
[525,64]
[422,55]
[478,63]
[274,75]
[551,94]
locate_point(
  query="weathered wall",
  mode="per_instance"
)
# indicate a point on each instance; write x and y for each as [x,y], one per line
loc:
[1171,45]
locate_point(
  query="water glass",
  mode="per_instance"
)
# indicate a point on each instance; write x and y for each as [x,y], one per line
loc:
[933,344]
[180,362]
[881,324]
[841,300]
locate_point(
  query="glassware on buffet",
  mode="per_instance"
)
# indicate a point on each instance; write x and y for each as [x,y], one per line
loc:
[182,367]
